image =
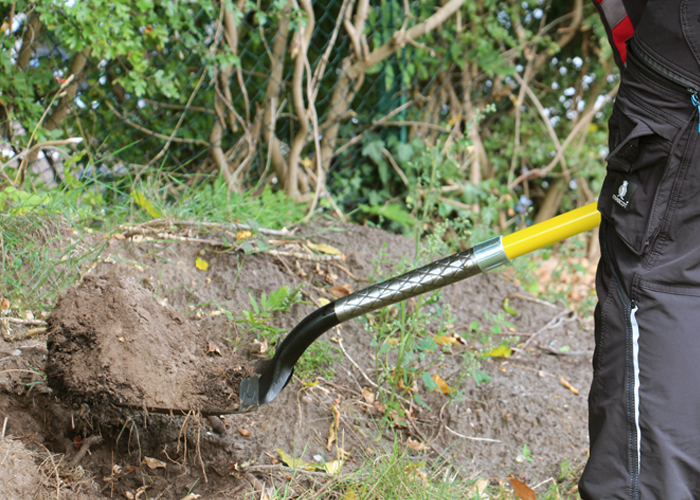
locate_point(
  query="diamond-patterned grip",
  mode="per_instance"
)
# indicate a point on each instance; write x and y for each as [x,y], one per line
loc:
[419,281]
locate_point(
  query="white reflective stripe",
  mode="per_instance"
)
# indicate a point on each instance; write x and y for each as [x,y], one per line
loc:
[635,358]
[614,11]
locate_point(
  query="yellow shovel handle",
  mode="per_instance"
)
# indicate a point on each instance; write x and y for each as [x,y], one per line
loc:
[551,231]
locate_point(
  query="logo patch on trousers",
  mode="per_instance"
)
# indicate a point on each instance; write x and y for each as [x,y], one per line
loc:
[624,192]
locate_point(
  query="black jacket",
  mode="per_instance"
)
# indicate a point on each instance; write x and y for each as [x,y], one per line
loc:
[666,30]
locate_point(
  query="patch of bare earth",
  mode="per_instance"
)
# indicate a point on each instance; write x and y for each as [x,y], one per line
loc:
[144,328]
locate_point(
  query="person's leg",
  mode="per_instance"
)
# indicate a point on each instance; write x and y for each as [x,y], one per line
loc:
[645,397]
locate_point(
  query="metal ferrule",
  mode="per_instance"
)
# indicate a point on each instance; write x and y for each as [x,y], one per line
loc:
[490,254]
[419,281]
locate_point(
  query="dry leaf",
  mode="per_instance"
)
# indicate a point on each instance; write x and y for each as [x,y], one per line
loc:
[502,351]
[444,339]
[333,429]
[244,432]
[444,388]
[566,384]
[243,235]
[4,304]
[260,347]
[350,495]
[402,385]
[141,201]
[333,467]
[295,463]
[213,349]
[340,291]
[201,264]
[368,395]
[323,301]
[521,489]
[459,338]
[192,496]
[153,463]
[478,488]
[415,445]
[323,248]
[332,434]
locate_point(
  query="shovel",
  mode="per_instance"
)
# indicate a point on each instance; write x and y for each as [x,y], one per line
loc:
[490,254]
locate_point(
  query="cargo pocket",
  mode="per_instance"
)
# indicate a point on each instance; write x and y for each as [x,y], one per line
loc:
[635,169]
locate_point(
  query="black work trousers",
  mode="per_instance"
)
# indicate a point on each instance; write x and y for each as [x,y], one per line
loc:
[645,397]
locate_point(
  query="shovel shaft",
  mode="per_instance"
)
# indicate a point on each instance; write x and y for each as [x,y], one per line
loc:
[551,231]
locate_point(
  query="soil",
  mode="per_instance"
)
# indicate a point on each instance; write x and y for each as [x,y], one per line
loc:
[111,343]
[147,328]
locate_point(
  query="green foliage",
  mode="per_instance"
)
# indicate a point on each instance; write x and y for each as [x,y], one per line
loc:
[318,359]
[398,475]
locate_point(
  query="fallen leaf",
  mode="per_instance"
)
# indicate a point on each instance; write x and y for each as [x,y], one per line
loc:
[153,463]
[350,495]
[368,395]
[502,351]
[214,349]
[333,467]
[244,432]
[444,388]
[323,301]
[340,291]
[566,384]
[415,445]
[4,304]
[333,429]
[260,346]
[521,489]
[508,309]
[141,201]
[294,463]
[459,338]
[201,264]
[402,385]
[478,488]
[323,248]
[192,496]
[119,236]
[243,235]
[444,339]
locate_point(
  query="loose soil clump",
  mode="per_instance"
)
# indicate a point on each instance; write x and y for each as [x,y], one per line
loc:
[111,343]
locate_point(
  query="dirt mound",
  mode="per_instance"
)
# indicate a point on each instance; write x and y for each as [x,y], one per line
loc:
[111,342]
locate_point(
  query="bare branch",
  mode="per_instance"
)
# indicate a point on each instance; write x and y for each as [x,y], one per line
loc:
[560,153]
[398,39]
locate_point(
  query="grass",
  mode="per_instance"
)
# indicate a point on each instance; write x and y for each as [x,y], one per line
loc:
[36,264]
[398,475]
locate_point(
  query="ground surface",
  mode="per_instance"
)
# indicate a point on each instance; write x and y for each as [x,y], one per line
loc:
[525,421]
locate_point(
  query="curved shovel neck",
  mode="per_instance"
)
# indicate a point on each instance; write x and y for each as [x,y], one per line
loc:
[281,367]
